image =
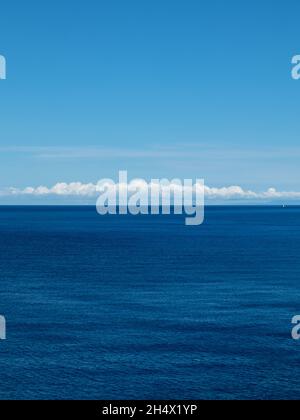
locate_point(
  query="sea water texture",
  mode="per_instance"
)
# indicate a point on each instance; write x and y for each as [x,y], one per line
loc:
[124,307]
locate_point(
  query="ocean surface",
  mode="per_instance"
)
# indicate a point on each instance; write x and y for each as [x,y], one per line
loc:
[123,307]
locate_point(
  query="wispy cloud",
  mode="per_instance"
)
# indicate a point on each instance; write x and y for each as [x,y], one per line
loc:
[180,151]
[92,152]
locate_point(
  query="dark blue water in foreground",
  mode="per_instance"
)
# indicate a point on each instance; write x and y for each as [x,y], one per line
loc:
[144,307]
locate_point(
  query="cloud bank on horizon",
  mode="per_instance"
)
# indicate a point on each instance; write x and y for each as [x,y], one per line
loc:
[90,190]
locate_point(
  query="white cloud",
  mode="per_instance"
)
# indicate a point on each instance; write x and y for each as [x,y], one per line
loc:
[78,189]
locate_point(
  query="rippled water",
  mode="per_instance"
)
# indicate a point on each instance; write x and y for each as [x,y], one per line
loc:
[122,307]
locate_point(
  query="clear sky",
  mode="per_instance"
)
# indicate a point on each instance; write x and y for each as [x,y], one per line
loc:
[184,88]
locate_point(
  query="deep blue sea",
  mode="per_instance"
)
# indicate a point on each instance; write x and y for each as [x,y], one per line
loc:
[123,307]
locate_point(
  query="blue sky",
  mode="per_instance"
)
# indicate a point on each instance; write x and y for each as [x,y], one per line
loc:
[161,88]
